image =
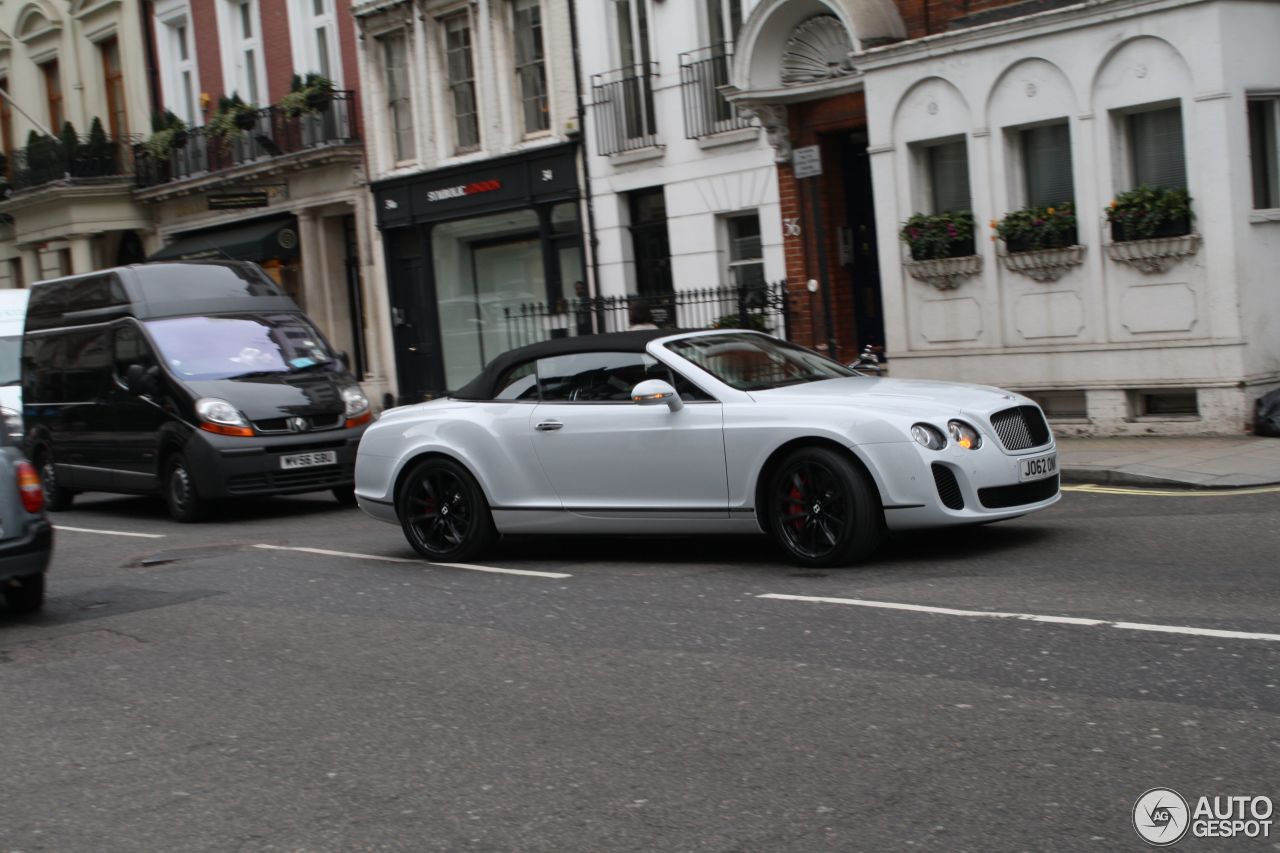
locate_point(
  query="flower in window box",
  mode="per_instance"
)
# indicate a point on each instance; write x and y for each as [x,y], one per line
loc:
[939,235]
[1147,212]
[1034,228]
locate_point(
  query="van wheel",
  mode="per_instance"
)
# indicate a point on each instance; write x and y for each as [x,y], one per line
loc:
[27,596]
[180,491]
[56,498]
[345,495]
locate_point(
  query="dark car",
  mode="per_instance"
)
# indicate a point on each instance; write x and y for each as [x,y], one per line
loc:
[1266,415]
[26,537]
[196,381]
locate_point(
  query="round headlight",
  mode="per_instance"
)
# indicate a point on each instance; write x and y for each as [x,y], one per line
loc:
[354,401]
[928,436]
[217,411]
[964,435]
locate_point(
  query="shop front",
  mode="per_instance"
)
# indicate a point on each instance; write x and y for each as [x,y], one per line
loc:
[466,248]
[271,242]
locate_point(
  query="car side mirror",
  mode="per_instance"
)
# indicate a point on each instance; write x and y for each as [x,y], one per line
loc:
[653,392]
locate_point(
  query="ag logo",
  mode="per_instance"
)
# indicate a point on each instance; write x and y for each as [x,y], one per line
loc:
[1161,817]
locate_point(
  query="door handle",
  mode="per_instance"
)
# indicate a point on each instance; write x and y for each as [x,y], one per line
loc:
[549,426]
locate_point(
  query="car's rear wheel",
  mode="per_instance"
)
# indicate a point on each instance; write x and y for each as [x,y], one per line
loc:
[25,594]
[180,495]
[823,511]
[56,498]
[443,511]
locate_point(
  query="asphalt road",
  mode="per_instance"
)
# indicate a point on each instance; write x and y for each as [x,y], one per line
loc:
[191,690]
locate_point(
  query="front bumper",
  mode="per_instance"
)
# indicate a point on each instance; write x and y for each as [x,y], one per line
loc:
[29,553]
[227,467]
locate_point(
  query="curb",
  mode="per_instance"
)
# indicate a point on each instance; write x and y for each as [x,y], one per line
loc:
[1113,477]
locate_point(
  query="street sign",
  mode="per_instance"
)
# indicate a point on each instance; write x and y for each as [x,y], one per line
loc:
[235,201]
[807,161]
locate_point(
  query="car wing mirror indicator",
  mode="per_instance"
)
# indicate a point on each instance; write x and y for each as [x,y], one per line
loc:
[655,392]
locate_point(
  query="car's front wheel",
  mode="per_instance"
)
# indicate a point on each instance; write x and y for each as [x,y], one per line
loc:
[26,594]
[823,511]
[443,511]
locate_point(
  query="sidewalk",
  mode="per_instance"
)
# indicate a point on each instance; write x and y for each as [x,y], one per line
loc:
[1186,462]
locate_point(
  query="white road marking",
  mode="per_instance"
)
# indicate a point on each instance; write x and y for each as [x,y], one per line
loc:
[1031,617]
[467,566]
[109,532]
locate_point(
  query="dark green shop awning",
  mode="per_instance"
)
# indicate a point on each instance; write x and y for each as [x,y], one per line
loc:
[256,241]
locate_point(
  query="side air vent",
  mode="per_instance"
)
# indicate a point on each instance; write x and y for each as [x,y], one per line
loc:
[948,489]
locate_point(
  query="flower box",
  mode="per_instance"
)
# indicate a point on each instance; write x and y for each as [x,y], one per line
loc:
[1122,232]
[939,235]
[945,273]
[1043,265]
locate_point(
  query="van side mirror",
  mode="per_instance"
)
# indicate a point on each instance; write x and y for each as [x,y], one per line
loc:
[345,359]
[141,380]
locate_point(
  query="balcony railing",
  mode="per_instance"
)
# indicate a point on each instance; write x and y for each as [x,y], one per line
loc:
[623,101]
[274,133]
[759,305]
[48,159]
[702,74]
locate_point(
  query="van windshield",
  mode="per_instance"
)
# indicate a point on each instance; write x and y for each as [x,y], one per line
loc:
[228,347]
[10,350]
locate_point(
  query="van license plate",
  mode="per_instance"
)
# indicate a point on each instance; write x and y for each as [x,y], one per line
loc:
[1038,467]
[308,460]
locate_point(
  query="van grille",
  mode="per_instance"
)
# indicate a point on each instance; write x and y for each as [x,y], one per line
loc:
[325,477]
[269,426]
[1021,427]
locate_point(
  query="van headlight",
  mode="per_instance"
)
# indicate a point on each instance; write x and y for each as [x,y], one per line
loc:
[221,417]
[356,406]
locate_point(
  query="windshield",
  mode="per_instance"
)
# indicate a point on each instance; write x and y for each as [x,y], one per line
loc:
[751,362]
[10,350]
[238,346]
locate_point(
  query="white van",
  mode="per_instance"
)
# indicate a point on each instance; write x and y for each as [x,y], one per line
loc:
[13,314]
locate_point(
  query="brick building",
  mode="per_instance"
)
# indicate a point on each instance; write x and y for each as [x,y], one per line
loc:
[252,169]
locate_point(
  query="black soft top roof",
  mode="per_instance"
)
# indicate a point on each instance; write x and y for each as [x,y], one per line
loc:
[482,387]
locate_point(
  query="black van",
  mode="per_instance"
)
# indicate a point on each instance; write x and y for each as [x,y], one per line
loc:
[193,380]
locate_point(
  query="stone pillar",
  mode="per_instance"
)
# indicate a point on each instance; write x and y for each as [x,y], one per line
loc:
[30,264]
[380,375]
[309,239]
[81,254]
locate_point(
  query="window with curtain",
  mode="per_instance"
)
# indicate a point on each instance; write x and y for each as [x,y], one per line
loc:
[948,167]
[318,43]
[113,78]
[245,49]
[746,257]
[462,81]
[1264,151]
[395,58]
[1046,165]
[1156,149]
[531,68]
[53,94]
[177,69]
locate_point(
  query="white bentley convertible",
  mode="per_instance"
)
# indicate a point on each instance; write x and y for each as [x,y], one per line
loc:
[700,432]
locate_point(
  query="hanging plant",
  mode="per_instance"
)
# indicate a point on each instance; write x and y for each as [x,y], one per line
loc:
[233,115]
[313,94]
[168,132]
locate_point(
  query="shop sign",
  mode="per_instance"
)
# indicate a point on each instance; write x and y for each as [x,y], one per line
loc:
[238,201]
[463,190]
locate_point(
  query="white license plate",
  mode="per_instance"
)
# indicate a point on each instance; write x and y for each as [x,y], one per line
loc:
[308,460]
[1038,467]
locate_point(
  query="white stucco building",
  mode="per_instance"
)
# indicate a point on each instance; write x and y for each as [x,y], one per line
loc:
[683,185]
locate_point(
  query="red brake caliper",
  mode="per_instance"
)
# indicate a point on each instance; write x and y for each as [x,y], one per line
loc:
[797,523]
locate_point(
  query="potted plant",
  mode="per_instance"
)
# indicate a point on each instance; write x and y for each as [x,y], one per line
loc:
[312,94]
[233,114]
[1035,228]
[168,132]
[1146,212]
[939,235]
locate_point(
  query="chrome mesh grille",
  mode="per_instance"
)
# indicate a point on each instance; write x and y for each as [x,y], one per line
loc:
[1021,427]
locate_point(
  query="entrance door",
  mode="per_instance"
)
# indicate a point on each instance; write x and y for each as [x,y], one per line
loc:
[865,261]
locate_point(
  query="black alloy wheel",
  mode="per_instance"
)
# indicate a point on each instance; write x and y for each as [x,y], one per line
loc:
[180,493]
[443,512]
[56,498]
[26,595]
[822,509]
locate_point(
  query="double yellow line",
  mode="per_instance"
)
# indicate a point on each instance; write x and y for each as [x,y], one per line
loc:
[1089,488]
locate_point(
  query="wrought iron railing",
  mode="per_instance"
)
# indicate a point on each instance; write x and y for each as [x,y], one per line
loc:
[623,104]
[47,159]
[274,132]
[760,306]
[703,73]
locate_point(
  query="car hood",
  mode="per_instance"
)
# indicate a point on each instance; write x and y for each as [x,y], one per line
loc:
[279,394]
[913,396]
